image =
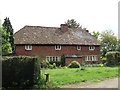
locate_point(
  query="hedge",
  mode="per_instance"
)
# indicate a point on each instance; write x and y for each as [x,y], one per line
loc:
[113,58]
[20,71]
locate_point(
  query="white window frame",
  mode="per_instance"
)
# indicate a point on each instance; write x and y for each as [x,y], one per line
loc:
[53,58]
[92,58]
[91,47]
[28,47]
[78,47]
[57,47]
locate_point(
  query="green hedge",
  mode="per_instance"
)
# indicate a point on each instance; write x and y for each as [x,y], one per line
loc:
[74,64]
[20,71]
[113,58]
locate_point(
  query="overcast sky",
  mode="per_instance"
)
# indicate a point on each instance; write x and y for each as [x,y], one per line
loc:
[97,15]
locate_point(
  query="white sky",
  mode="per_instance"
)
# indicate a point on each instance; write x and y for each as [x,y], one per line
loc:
[95,15]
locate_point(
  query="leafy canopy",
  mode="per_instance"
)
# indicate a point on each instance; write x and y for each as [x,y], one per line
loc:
[73,24]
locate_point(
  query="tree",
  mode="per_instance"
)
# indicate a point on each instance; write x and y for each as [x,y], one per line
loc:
[73,24]
[96,34]
[9,30]
[118,45]
[108,42]
[6,46]
[0,39]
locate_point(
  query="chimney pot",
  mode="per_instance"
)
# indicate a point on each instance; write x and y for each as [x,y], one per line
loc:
[87,30]
[64,27]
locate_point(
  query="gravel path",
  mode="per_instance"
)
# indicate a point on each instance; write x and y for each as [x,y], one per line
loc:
[107,83]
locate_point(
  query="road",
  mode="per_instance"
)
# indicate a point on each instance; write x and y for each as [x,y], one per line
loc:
[107,83]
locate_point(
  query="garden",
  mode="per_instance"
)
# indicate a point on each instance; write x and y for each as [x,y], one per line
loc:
[27,72]
[75,72]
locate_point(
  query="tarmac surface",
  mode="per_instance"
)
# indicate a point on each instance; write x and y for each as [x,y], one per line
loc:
[106,83]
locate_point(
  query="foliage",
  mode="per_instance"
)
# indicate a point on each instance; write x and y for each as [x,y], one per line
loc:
[96,34]
[108,42]
[9,30]
[73,24]
[118,45]
[6,46]
[58,63]
[94,65]
[54,65]
[113,58]
[42,84]
[74,64]
[70,75]
[63,60]
[65,67]
[20,71]
[51,66]
[45,64]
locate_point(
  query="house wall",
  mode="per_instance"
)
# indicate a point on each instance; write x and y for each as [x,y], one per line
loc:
[45,50]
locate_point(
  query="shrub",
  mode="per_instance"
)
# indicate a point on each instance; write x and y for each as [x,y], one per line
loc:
[65,67]
[45,64]
[58,63]
[74,64]
[51,66]
[113,58]
[54,65]
[20,71]
[101,65]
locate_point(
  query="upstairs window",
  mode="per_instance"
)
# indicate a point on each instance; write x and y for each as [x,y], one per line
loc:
[57,47]
[78,47]
[91,47]
[28,47]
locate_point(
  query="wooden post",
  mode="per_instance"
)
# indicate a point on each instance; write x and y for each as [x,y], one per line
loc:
[47,77]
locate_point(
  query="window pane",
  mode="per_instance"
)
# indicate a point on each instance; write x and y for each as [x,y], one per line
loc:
[56,58]
[50,58]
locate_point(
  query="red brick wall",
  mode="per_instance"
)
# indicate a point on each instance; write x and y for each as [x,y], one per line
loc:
[44,51]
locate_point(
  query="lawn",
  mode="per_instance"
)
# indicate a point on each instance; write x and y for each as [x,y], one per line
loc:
[64,76]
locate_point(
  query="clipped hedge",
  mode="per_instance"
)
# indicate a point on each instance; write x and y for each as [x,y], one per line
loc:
[113,58]
[20,71]
[74,64]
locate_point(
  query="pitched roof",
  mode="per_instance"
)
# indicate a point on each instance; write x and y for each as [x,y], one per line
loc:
[53,35]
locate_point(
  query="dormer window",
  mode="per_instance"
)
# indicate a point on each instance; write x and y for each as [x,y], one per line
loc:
[57,47]
[28,47]
[78,47]
[91,47]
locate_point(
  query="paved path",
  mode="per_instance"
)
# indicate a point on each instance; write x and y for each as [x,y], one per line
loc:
[107,83]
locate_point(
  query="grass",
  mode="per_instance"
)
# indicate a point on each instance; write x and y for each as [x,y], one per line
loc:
[65,76]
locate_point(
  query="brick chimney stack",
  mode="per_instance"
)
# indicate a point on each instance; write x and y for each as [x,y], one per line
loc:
[64,27]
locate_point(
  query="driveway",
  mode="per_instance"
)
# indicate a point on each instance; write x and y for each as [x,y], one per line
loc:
[106,83]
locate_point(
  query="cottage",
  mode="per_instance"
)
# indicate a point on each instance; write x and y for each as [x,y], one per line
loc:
[50,43]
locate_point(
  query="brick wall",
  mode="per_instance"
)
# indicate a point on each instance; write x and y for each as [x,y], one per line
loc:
[49,50]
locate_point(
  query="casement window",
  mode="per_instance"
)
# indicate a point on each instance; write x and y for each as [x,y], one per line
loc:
[53,58]
[91,47]
[28,47]
[78,47]
[57,47]
[91,58]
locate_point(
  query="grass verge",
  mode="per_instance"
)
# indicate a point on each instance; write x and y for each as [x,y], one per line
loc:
[65,76]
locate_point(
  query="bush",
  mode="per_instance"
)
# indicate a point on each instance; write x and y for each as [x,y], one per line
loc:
[74,64]
[51,66]
[45,64]
[65,67]
[113,58]
[20,71]
[58,63]
[101,65]
[54,65]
